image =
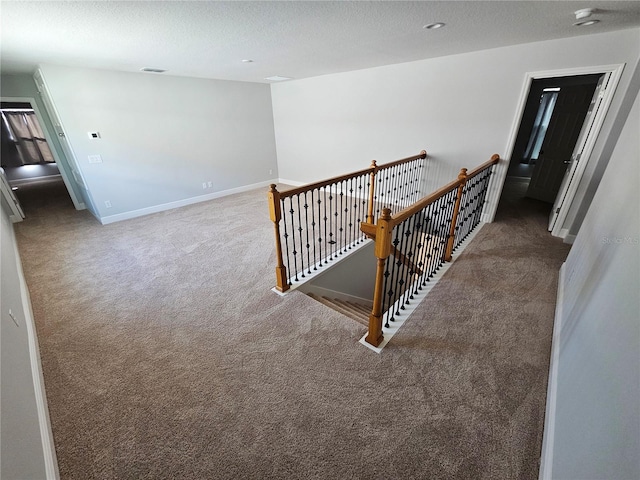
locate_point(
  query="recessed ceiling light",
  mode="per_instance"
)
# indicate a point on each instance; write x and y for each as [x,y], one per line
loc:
[586,23]
[247,60]
[434,26]
[152,70]
[277,78]
[584,13]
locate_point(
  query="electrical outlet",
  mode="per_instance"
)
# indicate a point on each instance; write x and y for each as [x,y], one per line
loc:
[95,159]
[107,203]
[270,172]
[210,184]
[204,185]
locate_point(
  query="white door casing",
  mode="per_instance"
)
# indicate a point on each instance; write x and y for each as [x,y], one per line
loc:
[72,161]
[569,190]
[578,152]
[59,130]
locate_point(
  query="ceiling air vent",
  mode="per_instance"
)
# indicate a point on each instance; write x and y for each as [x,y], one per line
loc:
[152,70]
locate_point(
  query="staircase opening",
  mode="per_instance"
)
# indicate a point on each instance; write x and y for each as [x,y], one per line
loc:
[347,285]
[373,240]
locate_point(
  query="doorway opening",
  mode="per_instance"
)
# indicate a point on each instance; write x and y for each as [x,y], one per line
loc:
[28,161]
[553,118]
[569,198]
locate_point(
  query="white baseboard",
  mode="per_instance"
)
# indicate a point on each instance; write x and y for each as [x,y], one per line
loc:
[293,183]
[46,434]
[546,460]
[566,236]
[183,203]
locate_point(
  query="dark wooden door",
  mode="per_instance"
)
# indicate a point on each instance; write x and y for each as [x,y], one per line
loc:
[559,141]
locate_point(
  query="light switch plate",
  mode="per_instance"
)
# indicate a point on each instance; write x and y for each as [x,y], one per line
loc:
[95,159]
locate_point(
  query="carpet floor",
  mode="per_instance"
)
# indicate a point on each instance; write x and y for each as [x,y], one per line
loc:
[166,354]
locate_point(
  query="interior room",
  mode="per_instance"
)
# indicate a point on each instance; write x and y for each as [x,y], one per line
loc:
[145,340]
[26,156]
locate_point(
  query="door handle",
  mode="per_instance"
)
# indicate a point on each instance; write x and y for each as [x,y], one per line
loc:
[567,162]
[61,134]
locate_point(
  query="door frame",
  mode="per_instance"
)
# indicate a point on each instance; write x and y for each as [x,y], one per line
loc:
[62,166]
[572,187]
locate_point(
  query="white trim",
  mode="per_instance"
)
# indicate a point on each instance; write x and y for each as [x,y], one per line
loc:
[182,203]
[61,166]
[409,309]
[567,237]
[546,459]
[16,213]
[503,166]
[327,292]
[46,434]
[485,217]
[592,137]
[293,183]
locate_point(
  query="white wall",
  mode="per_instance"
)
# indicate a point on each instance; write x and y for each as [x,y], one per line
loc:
[355,277]
[596,432]
[163,136]
[26,447]
[460,108]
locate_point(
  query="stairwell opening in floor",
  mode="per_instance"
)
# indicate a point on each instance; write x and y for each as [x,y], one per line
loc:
[348,284]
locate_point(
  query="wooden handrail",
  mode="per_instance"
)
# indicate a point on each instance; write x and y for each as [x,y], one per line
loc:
[331,181]
[422,154]
[402,215]
[287,272]
[369,229]
[311,186]
[411,210]
[495,158]
[405,260]
[382,232]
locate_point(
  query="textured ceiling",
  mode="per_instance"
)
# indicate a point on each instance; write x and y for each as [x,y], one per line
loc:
[296,39]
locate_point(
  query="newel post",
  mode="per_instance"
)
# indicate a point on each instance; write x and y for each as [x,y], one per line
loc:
[384,230]
[275,214]
[372,190]
[462,177]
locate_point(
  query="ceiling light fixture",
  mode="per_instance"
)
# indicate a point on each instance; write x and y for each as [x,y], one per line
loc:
[586,23]
[585,13]
[152,70]
[434,26]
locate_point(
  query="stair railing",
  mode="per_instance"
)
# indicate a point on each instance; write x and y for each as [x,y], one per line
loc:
[319,222]
[421,238]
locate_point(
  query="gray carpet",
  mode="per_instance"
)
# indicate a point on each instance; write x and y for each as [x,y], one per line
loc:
[166,355]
